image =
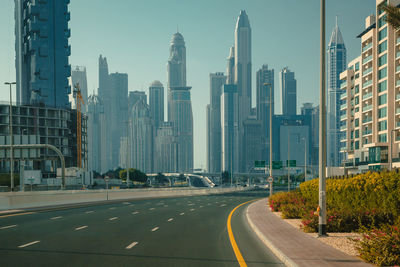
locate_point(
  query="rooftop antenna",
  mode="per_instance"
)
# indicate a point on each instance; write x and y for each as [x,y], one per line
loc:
[336,21]
[177,28]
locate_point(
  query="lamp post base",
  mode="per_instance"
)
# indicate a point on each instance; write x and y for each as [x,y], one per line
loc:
[322,230]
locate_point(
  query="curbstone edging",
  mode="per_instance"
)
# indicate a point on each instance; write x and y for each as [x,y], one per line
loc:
[278,253]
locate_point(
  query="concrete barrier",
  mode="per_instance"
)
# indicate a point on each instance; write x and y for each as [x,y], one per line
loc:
[36,199]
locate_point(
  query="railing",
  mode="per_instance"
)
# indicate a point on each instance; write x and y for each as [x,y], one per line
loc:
[397,111]
[397,124]
[368,46]
[397,83]
[367,96]
[367,59]
[343,106]
[367,83]
[397,55]
[398,97]
[367,71]
[397,68]
[367,119]
[343,95]
[366,108]
[343,117]
[343,127]
[367,132]
[398,40]
[343,84]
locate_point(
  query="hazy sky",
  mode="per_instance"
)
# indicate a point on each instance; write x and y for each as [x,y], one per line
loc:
[134,35]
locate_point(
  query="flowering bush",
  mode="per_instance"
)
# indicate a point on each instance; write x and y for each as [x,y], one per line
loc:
[381,246]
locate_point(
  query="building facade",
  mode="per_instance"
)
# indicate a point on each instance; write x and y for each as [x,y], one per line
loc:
[156,102]
[288,87]
[371,101]
[336,64]
[166,150]
[42,51]
[78,76]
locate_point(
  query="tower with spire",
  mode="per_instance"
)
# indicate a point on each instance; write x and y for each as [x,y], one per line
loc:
[336,64]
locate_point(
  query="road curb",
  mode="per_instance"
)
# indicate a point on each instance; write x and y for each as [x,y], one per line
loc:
[278,253]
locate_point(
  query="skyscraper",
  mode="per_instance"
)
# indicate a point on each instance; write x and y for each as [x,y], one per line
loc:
[265,87]
[217,80]
[135,96]
[42,51]
[156,101]
[179,103]
[288,86]
[166,154]
[78,76]
[142,149]
[103,77]
[336,65]
[176,66]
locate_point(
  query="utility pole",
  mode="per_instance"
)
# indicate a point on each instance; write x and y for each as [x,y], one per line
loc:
[11,139]
[322,131]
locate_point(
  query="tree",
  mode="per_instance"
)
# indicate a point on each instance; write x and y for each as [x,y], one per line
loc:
[392,15]
[182,177]
[161,179]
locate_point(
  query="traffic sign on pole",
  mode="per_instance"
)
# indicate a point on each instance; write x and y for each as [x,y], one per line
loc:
[270,179]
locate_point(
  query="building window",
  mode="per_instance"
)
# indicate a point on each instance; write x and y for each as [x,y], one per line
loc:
[357,109]
[382,138]
[357,100]
[382,60]
[357,133]
[356,122]
[382,112]
[382,21]
[357,144]
[357,89]
[382,86]
[357,66]
[382,73]
[382,125]
[380,10]
[382,99]
[382,47]
[382,34]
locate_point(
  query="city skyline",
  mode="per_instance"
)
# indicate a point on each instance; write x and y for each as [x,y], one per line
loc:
[196,63]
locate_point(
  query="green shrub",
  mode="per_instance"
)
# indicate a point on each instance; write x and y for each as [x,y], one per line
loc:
[381,246]
[5,179]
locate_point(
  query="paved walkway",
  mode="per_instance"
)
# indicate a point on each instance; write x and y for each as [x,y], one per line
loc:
[292,246]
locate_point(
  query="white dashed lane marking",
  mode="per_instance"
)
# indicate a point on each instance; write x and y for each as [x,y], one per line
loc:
[28,244]
[112,208]
[182,213]
[132,245]
[151,208]
[170,219]
[90,211]
[113,218]
[154,229]
[55,218]
[191,209]
[135,212]
[8,226]
[81,227]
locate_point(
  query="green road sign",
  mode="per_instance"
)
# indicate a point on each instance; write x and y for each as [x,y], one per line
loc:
[292,163]
[259,163]
[277,165]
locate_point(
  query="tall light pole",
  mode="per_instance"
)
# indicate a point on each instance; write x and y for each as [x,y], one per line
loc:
[270,140]
[305,159]
[128,152]
[11,139]
[288,161]
[322,131]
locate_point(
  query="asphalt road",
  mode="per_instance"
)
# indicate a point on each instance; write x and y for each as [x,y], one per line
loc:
[183,231]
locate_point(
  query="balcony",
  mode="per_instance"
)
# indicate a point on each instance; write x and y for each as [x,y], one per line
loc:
[368,46]
[398,40]
[367,83]
[397,54]
[343,127]
[397,124]
[343,117]
[343,95]
[367,119]
[397,97]
[397,111]
[366,96]
[367,59]
[367,108]
[343,106]
[343,85]
[397,83]
[367,71]
[367,132]
[397,69]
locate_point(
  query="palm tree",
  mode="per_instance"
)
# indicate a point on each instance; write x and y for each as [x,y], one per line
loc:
[392,15]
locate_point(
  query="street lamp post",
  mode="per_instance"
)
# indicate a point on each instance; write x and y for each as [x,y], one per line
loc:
[288,162]
[270,141]
[128,153]
[391,149]
[305,159]
[322,131]
[11,140]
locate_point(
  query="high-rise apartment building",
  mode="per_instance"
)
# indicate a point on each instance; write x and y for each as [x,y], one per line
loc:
[217,80]
[265,98]
[156,102]
[288,87]
[336,65]
[142,139]
[78,76]
[166,150]
[42,51]
[371,100]
[135,96]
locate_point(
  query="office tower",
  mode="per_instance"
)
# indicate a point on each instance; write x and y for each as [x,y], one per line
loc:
[252,142]
[230,68]
[336,65]
[42,51]
[97,160]
[103,78]
[217,80]
[142,131]
[243,65]
[229,128]
[135,96]
[118,87]
[371,111]
[78,76]
[156,101]
[182,119]
[176,66]
[288,91]
[265,98]
[166,150]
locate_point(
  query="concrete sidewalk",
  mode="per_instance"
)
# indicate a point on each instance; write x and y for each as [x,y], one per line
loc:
[292,246]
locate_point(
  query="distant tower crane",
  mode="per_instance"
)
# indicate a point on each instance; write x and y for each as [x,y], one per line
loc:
[79,101]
